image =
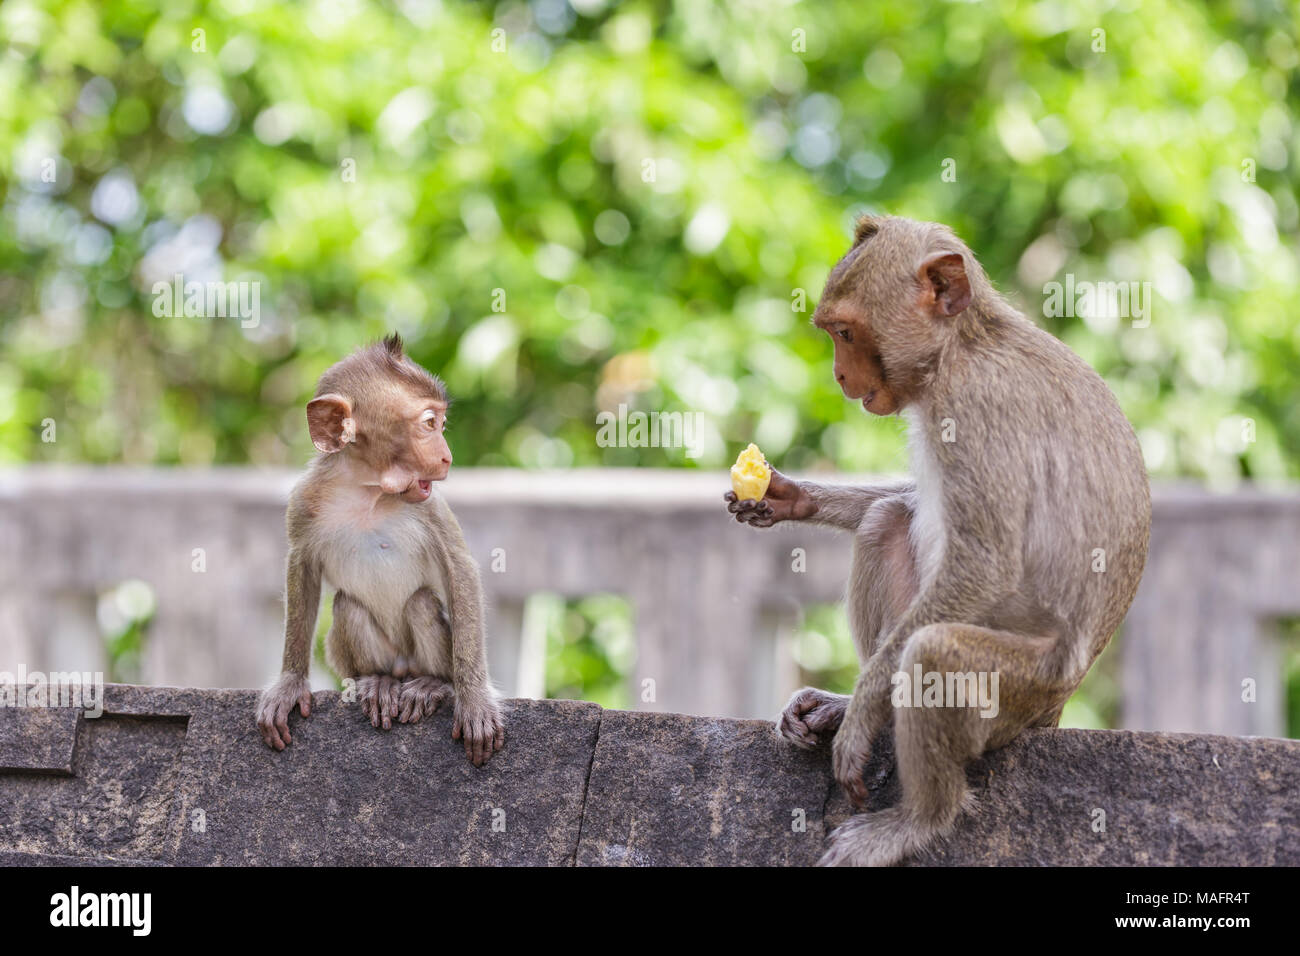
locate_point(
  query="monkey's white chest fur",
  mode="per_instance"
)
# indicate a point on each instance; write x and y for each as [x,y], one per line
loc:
[378,563]
[928,534]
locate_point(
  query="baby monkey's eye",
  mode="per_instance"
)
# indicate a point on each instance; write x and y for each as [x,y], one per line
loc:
[845,334]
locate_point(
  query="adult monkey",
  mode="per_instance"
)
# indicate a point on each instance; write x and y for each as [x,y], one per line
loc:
[1016,549]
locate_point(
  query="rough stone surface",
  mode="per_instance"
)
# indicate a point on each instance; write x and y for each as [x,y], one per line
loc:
[667,789]
[172,776]
[37,739]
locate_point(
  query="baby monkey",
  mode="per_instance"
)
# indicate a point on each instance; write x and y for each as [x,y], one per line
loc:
[1013,552]
[408,608]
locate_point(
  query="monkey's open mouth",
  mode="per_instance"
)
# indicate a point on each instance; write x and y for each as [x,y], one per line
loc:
[418,491]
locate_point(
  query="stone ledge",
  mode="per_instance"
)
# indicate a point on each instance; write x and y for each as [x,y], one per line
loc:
[177,776]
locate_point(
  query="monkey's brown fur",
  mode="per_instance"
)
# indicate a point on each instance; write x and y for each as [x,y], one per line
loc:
[408,613]
[987,560]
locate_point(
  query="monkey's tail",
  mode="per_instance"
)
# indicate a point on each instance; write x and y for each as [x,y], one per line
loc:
[885,837]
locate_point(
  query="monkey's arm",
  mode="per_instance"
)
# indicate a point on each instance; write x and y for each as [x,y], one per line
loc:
[839,506]
[478,717]
[302,602]
[301,605]
[844,506]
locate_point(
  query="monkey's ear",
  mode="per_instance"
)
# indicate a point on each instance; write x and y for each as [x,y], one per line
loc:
[329,420]
[945,283]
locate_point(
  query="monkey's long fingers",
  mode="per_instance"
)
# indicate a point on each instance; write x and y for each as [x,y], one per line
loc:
[796,731]
[269,735]
[850,779]
[482,743]
[282,724]
[466,737]
[387,707]
[824,717]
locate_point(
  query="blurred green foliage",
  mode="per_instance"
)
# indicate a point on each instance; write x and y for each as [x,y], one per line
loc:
[590,648]
[378,166]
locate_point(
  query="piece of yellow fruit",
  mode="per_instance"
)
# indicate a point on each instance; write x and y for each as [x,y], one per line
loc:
[750,474]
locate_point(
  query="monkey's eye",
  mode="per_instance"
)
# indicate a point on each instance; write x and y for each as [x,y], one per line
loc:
[429,419]
[845,334]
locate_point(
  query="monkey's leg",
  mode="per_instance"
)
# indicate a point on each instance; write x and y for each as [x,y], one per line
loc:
[1008,692]
[428,638]
[882,583]
[356,647]
[883,578]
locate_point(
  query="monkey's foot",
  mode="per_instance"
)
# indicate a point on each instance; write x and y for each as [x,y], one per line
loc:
[876,839]
[421,697]
[379,695]
[811,717]
[888,836]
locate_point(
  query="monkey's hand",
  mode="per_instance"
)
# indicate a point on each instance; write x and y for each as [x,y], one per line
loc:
[277,703]
[478,722]
[849,754]
[862,720]
[868,710]
[785,501]
[421,697]
[810,714]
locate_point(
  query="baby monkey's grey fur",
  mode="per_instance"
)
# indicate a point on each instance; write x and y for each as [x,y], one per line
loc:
[408,613]
[1016,548]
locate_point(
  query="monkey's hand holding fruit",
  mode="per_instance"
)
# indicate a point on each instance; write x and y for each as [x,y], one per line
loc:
[783,500]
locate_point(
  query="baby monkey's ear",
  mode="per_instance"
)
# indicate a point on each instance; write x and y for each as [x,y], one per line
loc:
[329,419]
[944,283]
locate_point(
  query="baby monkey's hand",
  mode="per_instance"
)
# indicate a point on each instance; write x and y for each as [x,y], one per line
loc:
[785,501]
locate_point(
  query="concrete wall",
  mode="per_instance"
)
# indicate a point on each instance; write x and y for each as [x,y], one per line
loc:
[171,776]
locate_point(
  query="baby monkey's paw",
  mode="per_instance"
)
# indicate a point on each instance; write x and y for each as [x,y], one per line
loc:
[275,706]
[478,723]
[421,697]
[379,696]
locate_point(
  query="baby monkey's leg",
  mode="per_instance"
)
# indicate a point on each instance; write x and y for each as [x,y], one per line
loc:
[428,634]
[356,647]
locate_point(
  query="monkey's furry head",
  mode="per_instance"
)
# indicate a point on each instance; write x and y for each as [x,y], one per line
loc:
[905,289]
[383,361]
